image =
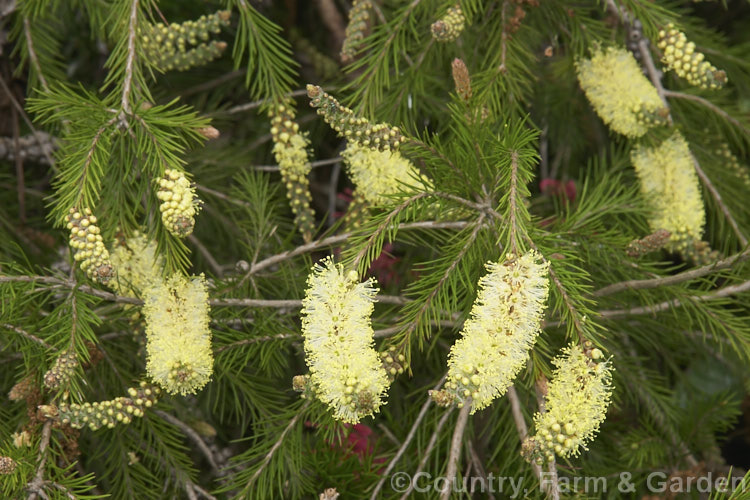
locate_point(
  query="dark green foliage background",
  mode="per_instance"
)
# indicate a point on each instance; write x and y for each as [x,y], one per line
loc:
[680,373]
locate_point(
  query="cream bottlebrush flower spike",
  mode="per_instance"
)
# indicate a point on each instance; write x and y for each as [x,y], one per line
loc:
[138,265]
[178,338]
[178,203]
[681,57]
[671,187]
[576,403]
[378,174]
[619,92]
[86,240]
[290,150]
[496,340]
[346,372]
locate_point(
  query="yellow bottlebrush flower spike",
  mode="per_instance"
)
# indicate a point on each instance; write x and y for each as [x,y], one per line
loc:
[670,185]
[378,174]
[681,57]
[178,339]
[576,403]
[496,340]
[178,203]
[62,370]
[86,240]
[138,265]
[290,151]
[359,15]
[619,92]
[184,45]
[345,370]
[100,414]
[449,27]
[380,136]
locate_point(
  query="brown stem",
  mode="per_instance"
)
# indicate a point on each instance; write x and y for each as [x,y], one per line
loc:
[455,453]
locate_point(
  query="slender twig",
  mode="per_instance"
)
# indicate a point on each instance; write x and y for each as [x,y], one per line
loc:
[194,436]
[255,340]
[276,445]
[553,490]
[477,463]
[409,437]
[314,164]
[203,493]
[36,485]
[214,82]
[20,181]
[503,40]
[27,335]
[334,240]
[32,53]
[333,20]
[384,226]
[130,61]
[455,452]
[717,198]
[207,255]
[261,102]
[675,278]
[90,157]
[428,451]
[28,123]
[51,280]
[512,198]
[713,107]
[436,289]
[675,303]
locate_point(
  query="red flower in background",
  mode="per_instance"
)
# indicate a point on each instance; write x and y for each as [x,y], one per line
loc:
[553,187]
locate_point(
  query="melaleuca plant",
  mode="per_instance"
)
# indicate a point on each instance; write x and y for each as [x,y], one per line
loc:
[373,249]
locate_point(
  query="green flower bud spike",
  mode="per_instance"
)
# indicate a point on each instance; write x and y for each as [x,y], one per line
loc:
[290,150]
[343,120]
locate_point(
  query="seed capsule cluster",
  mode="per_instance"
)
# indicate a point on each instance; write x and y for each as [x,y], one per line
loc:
[61,372]
[648,244]
[359,16]
[290,151]
[86,240]
[681,57]
[7,466]
[379,136]
[178,203]
[105,413]
[185,45]
[449,27]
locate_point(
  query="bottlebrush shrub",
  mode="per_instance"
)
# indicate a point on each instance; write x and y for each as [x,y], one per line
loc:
[197,198]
